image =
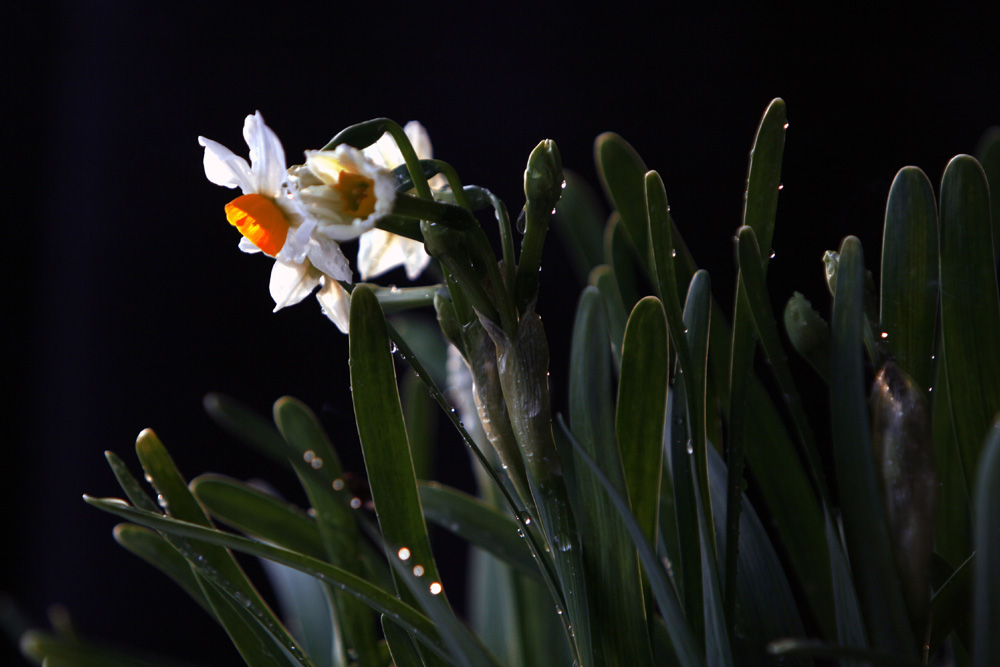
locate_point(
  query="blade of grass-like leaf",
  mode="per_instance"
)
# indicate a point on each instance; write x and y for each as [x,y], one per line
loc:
[158,552]
[682,642]
[641,409]
[697,314]
[809,334]
[951,605]
[380,600]
[321,474]
[246,425]
[850,630]
[986,584]
[622,171]
[842,654]
[970,307]
[953,534]
[421,423]
[619,254]
[761,316]
[759,209]
[988,154]
[258,514]
[579,220]
[909,281]
[401,648]
[766,608]
[465,648]
[603,278]
[246,617]
[383,433]
[479,524]
[613,580]
[57,650]
[878,583]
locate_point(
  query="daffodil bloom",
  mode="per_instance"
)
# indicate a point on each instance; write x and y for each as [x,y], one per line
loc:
[298,216]
[380,251]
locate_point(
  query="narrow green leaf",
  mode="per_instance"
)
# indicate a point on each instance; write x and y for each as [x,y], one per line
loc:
[380,600]
[986,586]
[809,334]
[321,474]
[951,605]
[580,220]
[421,423]
[158,552]
[246,425]
[622,171]
[909,281]
[683,643]
[383,433]
[401,648]
[479,524]
[760,206]
[603,278]
[57,650]
[865,528]
[850,629]
[970,307]
[988,154]
[953,535]
[613,585]
[246,617]
[259,514]
[641,409]
[619,254]
[842,654]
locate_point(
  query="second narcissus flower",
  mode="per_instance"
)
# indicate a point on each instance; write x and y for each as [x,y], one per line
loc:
[298,216]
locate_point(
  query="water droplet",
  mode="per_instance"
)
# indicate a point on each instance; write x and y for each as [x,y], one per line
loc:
[393,348]
[312,512]
[316,463]
[149,478]
[690,446]
[403,553]
[418,570]
[435,588]
[884,334]
[161,501]
[673,253]
[781,186]
[525,517]
[785,126]
[308,456]
[553,210]
[338,484]
[355,503]
[771,256]
[562,186]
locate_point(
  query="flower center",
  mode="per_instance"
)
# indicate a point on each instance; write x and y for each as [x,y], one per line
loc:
[260,220]
[357,194]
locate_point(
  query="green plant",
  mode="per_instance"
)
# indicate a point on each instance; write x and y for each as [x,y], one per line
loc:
[616,535]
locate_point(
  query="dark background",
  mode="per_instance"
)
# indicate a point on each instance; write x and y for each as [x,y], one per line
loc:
[125,296]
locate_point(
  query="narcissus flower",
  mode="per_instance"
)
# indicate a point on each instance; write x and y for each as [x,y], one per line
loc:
[380,251]
[298,216]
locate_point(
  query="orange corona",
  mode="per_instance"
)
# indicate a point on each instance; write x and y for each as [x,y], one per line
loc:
[260,220]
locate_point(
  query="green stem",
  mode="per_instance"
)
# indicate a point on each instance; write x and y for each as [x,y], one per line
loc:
[450,215]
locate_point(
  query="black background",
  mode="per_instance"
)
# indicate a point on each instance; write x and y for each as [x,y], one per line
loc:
[125,296]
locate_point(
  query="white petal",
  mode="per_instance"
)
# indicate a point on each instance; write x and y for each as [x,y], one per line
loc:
[420,140]
[223,167]
[290,283]
[328,258]
[336,303]
[297,242]
[384,152]
[267,156]
[247,246]
[380,251]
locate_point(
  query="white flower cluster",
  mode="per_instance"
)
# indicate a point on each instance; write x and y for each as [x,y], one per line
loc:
[298,216]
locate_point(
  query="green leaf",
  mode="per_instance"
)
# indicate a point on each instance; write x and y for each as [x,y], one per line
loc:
[321,474]
[421,423]
[641,409]
[258,514]
[878,583]
[603,278]
[479,524]
[380,600]
[759,209]
[786,648]
[986,586]
[682,642]
[619,254]
[158,552]
[401,648]
[58,650]
[246,425]
[970,307]
[580,220]
[248,620]
[909,281]
[622,172]
[953,535]
[988,154]
[951,605]
[809,334]
[613,584]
